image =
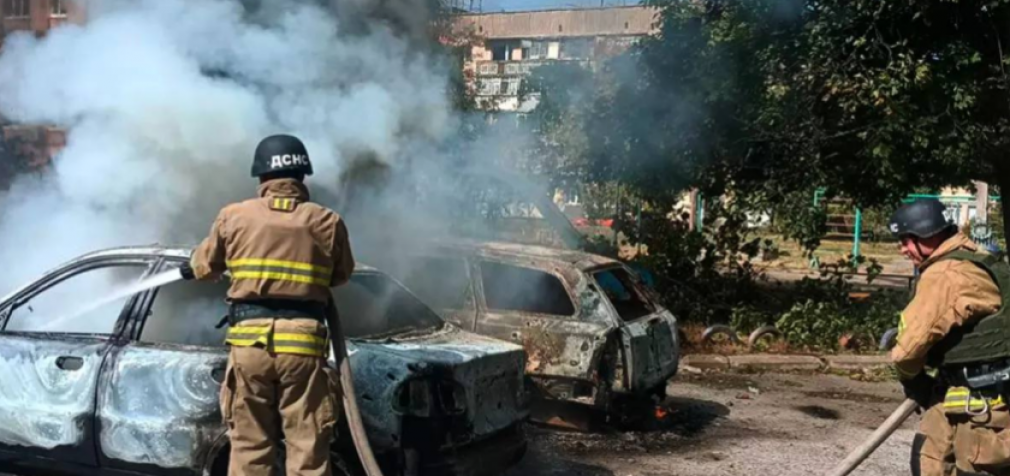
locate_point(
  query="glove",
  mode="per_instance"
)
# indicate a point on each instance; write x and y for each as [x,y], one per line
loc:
[920,388]
[186,270]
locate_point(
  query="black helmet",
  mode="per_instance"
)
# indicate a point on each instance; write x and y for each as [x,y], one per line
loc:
[281,153]
[922,218]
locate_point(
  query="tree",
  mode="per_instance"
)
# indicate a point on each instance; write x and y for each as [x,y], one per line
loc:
[905,94]
[768,100]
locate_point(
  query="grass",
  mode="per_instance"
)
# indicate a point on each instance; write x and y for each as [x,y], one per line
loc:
[832,249]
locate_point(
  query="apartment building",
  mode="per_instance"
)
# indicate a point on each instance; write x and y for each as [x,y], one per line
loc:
[512,44]
[39,143]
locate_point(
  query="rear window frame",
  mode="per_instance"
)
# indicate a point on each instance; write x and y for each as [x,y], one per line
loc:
[647,294]
[478,277]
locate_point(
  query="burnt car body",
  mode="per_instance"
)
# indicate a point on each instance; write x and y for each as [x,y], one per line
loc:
[130,385]
[592,331]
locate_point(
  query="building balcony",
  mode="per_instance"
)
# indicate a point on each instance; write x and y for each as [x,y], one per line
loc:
[521,67]
[17,24]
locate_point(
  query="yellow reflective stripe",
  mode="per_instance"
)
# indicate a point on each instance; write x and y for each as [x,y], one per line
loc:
[301,338]
[300,351]
[901,324]
[249,330]
[280,264]
[957,396]
[296,278]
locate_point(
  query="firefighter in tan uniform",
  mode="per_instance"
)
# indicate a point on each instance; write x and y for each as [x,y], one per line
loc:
[960,427]
[284,253]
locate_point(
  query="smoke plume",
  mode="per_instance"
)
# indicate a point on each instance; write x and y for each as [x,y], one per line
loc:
[165,100]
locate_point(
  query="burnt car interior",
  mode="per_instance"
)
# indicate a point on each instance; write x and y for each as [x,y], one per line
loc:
[373,306]
[55,307]
[512,288]
[187,313]
[451,289]
[370,306]
[628,300]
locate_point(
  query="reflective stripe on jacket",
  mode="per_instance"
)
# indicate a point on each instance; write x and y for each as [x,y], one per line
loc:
[281,336]
[279,246]
[960,400]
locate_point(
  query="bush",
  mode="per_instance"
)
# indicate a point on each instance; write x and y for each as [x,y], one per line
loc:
[707,278]
[820,324]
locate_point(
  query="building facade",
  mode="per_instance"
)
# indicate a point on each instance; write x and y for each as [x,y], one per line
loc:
[509,45]
[39,143]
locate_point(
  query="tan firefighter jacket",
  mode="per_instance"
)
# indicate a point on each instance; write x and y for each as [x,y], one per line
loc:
[278,246]
[949,293]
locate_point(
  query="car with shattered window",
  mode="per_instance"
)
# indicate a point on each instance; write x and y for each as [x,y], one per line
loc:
[594,333]
[130,383]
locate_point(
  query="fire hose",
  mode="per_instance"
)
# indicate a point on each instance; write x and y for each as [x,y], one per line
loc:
[876,439]
[351,411]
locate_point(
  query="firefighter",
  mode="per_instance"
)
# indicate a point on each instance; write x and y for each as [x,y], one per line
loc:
[946,336]
[283,253]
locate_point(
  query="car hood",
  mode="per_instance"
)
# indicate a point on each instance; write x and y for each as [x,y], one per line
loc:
[490,371]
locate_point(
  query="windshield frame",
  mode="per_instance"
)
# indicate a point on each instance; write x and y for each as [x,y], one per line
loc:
[440,323]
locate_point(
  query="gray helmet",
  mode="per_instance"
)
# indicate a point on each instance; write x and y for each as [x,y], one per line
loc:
[922,218]
[281,153]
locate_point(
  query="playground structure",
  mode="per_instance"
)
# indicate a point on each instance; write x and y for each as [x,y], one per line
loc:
[845,219]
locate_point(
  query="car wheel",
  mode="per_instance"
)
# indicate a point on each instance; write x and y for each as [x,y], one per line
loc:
[888,339]
[762,332]
[720,332]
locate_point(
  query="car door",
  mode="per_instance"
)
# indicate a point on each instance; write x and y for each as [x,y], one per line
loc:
[534,307]
[159,413]
[648,331]
[55,336]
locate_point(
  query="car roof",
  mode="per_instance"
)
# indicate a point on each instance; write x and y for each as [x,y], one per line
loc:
[579,259]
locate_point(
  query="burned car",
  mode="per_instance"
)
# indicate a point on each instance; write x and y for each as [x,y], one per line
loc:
[130,382]
[592,331]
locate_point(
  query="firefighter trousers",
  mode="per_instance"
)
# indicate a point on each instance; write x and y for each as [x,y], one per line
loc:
[976,445]
[267,396]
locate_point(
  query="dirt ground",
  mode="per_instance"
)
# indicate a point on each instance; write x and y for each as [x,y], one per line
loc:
[738,424]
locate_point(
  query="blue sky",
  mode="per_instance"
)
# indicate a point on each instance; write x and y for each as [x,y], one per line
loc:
[518,5]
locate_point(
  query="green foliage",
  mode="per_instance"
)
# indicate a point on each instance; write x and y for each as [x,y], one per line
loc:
[816,323]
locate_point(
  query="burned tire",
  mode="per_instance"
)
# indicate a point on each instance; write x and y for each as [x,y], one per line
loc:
[762,332]
[888,339]
[720,330]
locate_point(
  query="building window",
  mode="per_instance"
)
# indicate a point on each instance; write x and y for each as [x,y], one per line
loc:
[536,50]
[17,8]
[499,50]
[513,68]
[488,68]
[511,87]
[58,8]
[577,48]
[490,87]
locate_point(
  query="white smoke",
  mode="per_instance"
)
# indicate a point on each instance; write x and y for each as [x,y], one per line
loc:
[157,143]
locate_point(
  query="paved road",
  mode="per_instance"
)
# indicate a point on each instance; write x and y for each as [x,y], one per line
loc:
[739,424]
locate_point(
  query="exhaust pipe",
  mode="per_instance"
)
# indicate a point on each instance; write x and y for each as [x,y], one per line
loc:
[879,436]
